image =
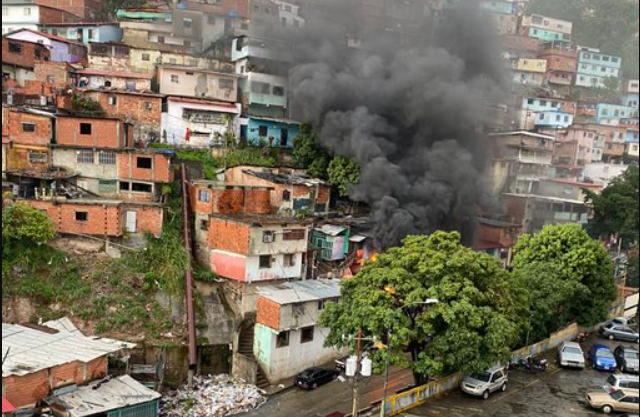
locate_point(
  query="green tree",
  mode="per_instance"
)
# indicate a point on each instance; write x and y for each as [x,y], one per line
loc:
[617,209]
[577,259]
[634,269]
[611,92]
[309,154]
[547,297]
[343,173]
[23,224]
[473,327]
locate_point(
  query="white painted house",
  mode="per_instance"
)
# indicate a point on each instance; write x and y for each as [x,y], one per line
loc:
[192,122]
[288,339]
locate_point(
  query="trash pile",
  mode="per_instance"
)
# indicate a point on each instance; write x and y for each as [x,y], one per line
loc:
[213,396]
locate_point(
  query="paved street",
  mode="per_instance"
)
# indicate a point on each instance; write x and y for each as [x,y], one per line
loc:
[558,393]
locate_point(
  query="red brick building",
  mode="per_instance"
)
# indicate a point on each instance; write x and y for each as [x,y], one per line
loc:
[85,9]
[24,54]
[562,63]
[30,133]
[93,132]
[28,379]
[213,198]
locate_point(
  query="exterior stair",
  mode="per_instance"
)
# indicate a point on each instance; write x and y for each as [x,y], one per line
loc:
[245,347]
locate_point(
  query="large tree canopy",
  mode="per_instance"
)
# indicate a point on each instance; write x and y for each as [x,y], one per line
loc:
[473,327]
[617,209]
[572,256]
[23,224]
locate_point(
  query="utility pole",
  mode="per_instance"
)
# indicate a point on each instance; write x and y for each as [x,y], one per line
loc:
[356,382]
[191,318]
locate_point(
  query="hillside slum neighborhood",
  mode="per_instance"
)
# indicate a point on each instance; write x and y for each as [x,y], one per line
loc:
[96,112]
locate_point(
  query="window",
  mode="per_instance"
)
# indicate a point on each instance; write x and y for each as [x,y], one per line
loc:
[615,60]
[307,334]
[268,236]
[139,187]
[146,57]
[606,58]
[204,225]
[289,261]
[296,234]
[29,127]
[125,186]
[224,84]
[27,11]
[108,186]
[108,84]
[282,340]
[148,106]
[85,156]
[82,216]
[204,196]
[161,39]
[260,88]
[265,262]
[278,91]
[187,23]
[144,163]
[107,158]
[15,48]
[86,128]
[186,44]
[175,79]
[587,56]
[112,100]
[263,131]
[321,305]
[37,157]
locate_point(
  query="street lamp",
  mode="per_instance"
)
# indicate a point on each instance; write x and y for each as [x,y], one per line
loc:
[427,302]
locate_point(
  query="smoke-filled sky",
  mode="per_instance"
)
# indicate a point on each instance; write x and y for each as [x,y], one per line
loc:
[409,108]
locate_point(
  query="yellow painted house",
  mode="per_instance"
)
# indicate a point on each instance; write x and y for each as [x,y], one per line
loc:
[532,65]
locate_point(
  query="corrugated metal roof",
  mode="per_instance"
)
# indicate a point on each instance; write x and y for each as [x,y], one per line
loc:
[302,291]
[102,397]
[358,238]
[28,350]
[331,230]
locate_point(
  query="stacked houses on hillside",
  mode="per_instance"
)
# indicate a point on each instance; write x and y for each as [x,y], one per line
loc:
[94,112]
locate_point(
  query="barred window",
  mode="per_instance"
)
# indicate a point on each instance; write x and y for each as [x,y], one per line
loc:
[297,234]
[38,157]
[107,158]
[85,157]
[204,196]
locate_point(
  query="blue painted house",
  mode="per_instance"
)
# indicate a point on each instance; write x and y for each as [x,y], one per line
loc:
[279,133]
[85,32]
[554,120]
[595,67]
[540,104]
[610,114]
[502,7]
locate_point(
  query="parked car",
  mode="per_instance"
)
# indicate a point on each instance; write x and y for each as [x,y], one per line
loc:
[570,355]
[620,401]
[484,384]
[627,359]
[622,382]
[613,331]
[315,377]
[602,359]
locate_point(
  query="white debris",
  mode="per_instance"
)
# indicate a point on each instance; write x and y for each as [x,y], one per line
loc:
[218,396]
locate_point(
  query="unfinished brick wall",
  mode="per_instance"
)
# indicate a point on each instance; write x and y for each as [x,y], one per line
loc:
[130,167]
[82,8]
[229,236]
[57,14]
[141,108]
[55,73]
[101,220]
[27,57]
[150,219]
[324,194]
[21,124]
[268,313]
[104,133]
[230,200]
[19,158]
[23,391]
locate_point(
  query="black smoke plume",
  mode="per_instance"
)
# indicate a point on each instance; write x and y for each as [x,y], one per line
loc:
[409,104]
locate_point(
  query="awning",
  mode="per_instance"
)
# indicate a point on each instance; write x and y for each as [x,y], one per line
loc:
[7,407]
[358,238]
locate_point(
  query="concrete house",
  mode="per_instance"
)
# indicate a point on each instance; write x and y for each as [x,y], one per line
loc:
[573,146]
[86,9]
[62,50]
[29,14]
[331,241]
[595,67]
[546,29]
[562,63]
[497,238]
[631,96]
[529,71]
[19,59]
[193,122]
[258,131]
[197,83]
[288,338]
[105,79]
[84,32]
[612,114]
[554,120]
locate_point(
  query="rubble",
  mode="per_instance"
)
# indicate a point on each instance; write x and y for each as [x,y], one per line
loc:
[213,396]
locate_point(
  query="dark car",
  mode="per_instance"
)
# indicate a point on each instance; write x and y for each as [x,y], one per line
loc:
[315,377]
[613,331]
[627,359]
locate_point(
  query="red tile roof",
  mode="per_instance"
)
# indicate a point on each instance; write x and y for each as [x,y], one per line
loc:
[7,407]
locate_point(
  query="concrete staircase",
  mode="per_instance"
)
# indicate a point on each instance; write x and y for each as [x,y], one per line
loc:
[245,347]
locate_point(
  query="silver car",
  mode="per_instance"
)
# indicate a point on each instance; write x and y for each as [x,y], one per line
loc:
[485,384]
[613,331]
[570,355]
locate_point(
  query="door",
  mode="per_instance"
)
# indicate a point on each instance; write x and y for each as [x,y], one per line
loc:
[284,137]
[132,222]
[629,404]
[496,381]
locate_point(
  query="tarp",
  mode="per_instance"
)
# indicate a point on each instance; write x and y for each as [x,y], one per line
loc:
[7,407]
